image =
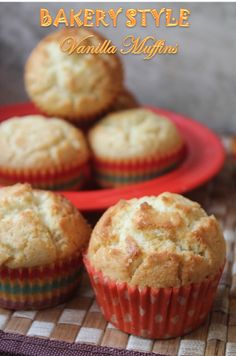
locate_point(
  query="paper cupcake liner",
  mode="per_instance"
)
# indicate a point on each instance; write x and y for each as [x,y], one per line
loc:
[39,287]
[62,178]
[153,313]
[117,173]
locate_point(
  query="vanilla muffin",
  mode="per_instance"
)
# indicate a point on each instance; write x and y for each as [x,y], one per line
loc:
[48,153]
[41,239]
[74,86]
[125,100]
[164,241]
[161,256]
[134,145]
[233,146]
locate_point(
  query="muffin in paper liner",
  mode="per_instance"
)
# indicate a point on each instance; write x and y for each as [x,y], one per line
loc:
[39,287]
[48,153]
[125,100]
[62,178]
[159,313]
[134,145]
[117,173]
[42,239]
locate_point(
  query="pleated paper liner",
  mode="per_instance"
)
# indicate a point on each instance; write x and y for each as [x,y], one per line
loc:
[39,287]
[160,313]
[62,178]
[110,173]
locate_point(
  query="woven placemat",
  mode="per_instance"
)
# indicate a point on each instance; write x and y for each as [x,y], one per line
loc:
[80,322]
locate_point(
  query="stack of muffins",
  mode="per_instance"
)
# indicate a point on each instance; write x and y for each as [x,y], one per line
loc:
[154,262]
[95,123]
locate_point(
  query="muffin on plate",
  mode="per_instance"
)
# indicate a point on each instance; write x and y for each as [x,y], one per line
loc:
[48,153]
[233,147]
[41,240]
[134,145]
[76,86]
[155,263]
[125,100]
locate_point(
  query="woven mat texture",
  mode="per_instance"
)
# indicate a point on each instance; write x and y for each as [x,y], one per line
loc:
[80,319]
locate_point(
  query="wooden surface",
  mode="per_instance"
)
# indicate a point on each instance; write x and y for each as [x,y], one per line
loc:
[80,319]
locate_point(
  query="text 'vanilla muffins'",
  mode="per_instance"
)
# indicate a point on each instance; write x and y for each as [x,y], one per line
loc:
[134,145]
[155,263]
[74,86]
[41,240]
[48,153]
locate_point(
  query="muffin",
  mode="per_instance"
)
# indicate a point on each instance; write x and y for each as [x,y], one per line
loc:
[48,153]
[233,147]
[125,100]
[155,263]
[76,86]
[134,145]
[41,239]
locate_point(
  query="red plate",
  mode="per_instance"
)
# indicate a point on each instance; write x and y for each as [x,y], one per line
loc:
[205,157]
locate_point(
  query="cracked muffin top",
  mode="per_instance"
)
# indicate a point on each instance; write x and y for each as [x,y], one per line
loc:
[37,143]
[164,241]
[134,133]
[70,84]
[38,227]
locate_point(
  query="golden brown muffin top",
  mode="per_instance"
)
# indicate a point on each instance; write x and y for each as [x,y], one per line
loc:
[134,133]
[164,241]
[73,86]
[37,143]
[38,227]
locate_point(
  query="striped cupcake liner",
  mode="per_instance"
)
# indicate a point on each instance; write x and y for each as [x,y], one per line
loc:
[39,287]
[114,174]
[157,313]
[65,178]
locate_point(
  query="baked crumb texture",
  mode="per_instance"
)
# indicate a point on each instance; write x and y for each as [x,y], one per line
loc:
[134,145]
[38,227]
[48,153]
[41,241]
[164,241]
[73,86]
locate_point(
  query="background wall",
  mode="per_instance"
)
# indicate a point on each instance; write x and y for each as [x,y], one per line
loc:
[200,81]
